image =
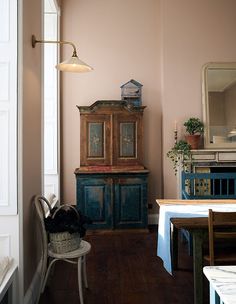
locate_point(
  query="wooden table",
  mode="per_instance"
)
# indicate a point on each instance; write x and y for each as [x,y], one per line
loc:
[161,202]
[198,227]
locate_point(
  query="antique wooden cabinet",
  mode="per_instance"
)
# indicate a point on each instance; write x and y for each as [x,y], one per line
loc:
[111,182]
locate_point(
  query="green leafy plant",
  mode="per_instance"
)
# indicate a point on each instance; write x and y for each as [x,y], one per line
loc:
[179,155]
[66,220]
[194,125]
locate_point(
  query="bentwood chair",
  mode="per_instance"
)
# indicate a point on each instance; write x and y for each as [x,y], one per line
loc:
[49,257]
[222,237]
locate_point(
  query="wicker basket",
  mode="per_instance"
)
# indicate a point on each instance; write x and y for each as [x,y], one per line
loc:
[62,242]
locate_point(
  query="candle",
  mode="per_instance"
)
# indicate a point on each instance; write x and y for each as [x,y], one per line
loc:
[175,125]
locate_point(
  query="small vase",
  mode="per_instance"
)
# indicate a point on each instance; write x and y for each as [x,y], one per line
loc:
[193,140]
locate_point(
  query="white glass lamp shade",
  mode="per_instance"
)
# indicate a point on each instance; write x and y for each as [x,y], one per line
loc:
[74,64]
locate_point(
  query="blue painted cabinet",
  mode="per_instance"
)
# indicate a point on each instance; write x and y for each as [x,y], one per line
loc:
[111,183]
[113,200]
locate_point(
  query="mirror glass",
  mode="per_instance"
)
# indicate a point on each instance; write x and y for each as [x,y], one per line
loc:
[219,105]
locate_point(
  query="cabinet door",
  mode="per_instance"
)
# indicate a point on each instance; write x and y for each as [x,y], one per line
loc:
[127,139]
[94,200]
[95,141]
[130,202]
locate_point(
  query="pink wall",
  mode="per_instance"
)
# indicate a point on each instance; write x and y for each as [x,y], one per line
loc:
[30,174]
[161,43]
[193,33]
[120,39]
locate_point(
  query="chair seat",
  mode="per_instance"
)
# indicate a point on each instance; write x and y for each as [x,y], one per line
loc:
[83,249]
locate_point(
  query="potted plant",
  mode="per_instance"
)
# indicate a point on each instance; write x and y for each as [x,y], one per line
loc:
[65,225]
[194,128]
[67,218]
[179,154]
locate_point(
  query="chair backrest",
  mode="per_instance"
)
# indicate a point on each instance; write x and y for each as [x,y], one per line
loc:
[208,185]
[219,225]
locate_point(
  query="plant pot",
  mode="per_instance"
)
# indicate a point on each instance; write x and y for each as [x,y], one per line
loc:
[193,140]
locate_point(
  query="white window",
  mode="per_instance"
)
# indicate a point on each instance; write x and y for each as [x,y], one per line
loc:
[51,100]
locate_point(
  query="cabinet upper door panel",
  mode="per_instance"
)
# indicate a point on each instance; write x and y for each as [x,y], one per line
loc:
[127,142]
[95,140]
[111,135]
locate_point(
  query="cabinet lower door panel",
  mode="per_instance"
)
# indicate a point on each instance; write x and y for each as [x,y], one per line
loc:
[130,203]
[94,200]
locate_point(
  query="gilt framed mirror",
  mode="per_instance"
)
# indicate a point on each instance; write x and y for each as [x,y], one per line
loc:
[219,105]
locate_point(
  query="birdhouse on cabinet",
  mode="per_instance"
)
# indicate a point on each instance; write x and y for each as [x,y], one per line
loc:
[131,92]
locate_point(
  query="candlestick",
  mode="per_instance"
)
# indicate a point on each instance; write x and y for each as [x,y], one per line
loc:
[175,132]
[175,135]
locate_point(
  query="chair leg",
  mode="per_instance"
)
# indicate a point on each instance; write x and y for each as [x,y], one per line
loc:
[47,273]
[80,280]
[84,271]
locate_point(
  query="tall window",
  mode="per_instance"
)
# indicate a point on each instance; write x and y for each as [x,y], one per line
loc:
[51,104]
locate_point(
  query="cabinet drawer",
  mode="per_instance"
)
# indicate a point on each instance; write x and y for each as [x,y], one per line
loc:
[227,156]
[204,157]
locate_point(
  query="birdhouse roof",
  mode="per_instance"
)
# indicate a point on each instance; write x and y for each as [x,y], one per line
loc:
[132,82]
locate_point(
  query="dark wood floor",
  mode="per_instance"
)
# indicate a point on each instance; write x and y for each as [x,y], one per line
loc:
[123,268]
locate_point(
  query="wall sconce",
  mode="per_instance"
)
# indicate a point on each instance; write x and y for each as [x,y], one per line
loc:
[73,64]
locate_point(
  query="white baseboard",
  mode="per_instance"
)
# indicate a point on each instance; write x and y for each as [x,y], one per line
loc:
[153,219]
[32,292]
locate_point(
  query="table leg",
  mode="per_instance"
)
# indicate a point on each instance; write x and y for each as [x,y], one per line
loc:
[214,298]
[174,247]
[198,266]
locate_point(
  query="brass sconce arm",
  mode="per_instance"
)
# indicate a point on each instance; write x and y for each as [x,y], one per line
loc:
[73,64]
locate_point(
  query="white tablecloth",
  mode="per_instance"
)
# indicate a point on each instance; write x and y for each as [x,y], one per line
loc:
[167,212]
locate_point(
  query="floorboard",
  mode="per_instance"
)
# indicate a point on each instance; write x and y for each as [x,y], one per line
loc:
[123,268]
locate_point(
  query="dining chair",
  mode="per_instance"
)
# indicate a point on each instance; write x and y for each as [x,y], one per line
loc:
[222,237]
[49,257]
